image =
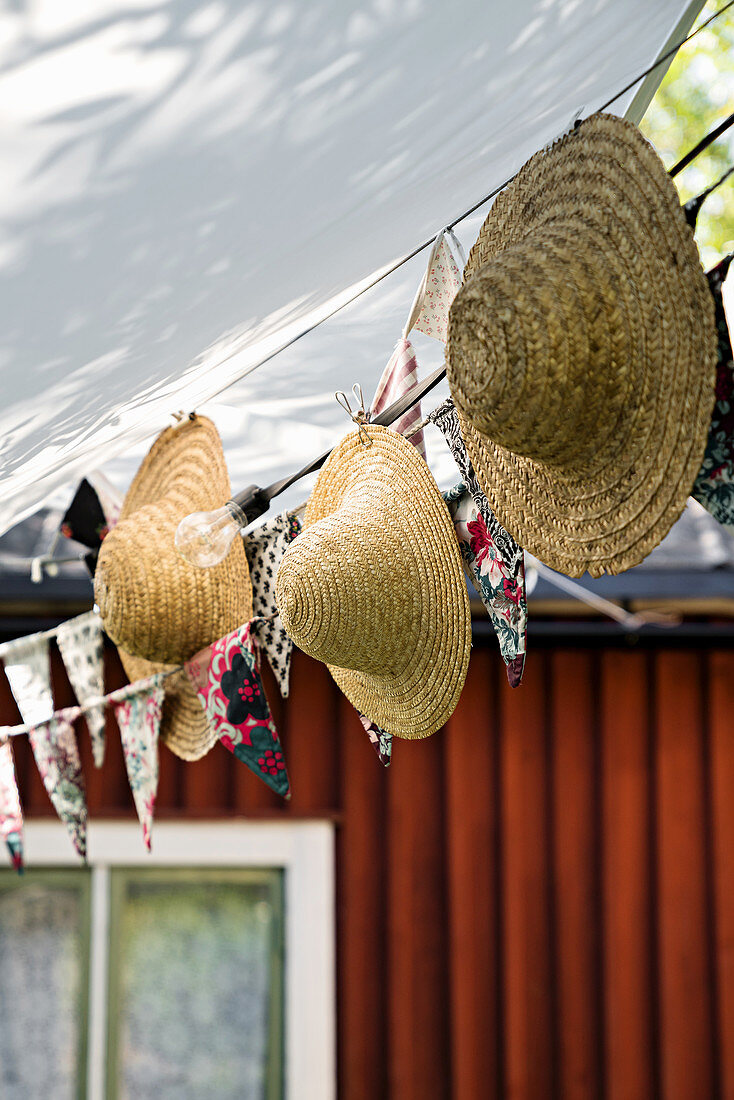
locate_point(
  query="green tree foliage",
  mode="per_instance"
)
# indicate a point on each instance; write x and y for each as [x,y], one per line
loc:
[696,94]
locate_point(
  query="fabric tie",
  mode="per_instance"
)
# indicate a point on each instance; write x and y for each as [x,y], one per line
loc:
[441,284]
[496,564]
[400,374]
[714,484]
[227,682]
[380,739]
[265,547]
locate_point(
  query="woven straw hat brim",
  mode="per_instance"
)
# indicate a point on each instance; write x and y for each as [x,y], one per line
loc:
[153,603]
[375,582]
[184,726]
[585,264]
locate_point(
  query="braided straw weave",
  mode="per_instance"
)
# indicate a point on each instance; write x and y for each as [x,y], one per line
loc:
[374,586]
[581,352]
[157,608]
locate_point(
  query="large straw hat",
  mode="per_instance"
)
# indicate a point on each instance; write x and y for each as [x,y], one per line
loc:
[374,586]
[157,608]
[582,352]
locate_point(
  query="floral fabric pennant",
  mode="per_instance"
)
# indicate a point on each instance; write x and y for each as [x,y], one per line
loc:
[442,282]
[82,650]
[11,815]
[138,714]
[28,670]
[265,547]
[714,484]
[57,757]
[380,740]
[400,374]
[495,562]
[226,679]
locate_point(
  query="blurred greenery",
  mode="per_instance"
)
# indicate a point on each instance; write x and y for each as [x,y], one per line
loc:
[696,94]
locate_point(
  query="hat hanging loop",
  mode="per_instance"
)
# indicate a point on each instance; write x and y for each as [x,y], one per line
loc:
[360,416]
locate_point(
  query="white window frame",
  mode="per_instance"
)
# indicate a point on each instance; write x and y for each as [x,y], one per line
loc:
[304,850]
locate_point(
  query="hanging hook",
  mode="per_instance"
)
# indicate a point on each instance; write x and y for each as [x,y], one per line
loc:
[360,416]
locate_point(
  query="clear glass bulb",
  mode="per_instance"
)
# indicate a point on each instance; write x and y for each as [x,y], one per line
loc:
[204,538]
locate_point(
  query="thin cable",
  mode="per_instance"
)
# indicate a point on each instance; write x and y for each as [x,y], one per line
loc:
[703,144]
[80,708]
[391,413]
[629,620]
[712,187]
[666,56]
[449,225]
[693,207]
[394,412]
[99,700]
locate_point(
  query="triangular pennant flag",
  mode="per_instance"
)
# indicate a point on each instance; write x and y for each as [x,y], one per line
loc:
[57,757]
[228,684]
[92,513]
[400,374]
[11,815]
[82,649]
[380,739]
[138,714]
[28,669]
[442,282]
[496,564]
[502,589]
[265,547]
[84,520]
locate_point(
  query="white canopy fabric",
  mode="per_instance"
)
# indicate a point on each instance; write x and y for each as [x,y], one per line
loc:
[188,185]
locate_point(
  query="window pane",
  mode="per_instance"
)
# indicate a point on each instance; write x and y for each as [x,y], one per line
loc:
[43,988]
[196,985]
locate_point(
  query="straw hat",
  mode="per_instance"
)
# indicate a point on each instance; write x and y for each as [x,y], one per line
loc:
[374,586]
[582,352]
[157,608]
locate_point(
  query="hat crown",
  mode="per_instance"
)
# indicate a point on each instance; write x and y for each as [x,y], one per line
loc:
[540,346]
[333,611]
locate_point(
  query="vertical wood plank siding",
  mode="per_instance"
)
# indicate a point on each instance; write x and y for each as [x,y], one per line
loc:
[538,902]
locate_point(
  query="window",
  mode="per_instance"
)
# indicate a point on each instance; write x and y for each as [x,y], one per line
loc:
[195,986]
[44,936]
[205,970]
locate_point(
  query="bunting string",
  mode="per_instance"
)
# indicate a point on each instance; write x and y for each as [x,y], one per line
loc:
[92,703]
[699,148]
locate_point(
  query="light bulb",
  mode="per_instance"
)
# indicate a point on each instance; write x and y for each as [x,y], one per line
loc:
[204,538]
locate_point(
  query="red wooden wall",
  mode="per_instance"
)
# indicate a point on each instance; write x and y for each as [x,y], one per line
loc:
[536,902]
